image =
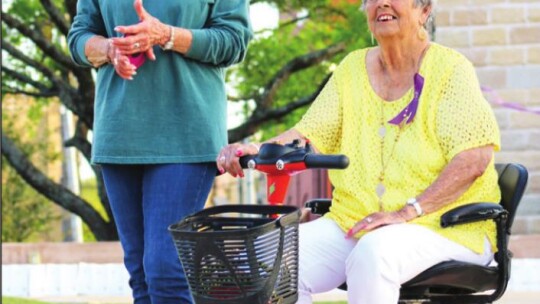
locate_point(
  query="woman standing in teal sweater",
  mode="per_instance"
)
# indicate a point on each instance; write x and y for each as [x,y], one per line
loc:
[159,124]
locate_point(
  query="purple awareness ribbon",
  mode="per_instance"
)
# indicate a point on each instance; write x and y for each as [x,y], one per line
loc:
[409,111]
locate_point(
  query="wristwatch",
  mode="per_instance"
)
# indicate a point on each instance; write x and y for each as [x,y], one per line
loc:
[413,202]
[169,44]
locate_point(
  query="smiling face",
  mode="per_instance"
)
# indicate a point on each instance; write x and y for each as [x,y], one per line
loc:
[395,19]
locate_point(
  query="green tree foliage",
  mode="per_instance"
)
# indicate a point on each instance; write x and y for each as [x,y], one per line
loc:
[25,213]
[287,65]
[284,70]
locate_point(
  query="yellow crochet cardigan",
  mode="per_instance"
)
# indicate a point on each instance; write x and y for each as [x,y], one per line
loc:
[452,116]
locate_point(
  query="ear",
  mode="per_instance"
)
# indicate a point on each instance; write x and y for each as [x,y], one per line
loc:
[426,11]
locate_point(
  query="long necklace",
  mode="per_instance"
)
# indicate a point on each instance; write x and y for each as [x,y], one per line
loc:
[381,189]
[404,117]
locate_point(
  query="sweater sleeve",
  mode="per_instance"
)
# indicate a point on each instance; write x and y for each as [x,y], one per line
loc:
[465,119]
[322,123]
[87,23]
[223,40]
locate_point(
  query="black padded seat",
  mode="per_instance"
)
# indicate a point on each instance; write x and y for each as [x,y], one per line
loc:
[466,277]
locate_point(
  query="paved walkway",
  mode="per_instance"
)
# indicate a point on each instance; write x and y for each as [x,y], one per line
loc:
[335,295]
[508,298]
[525,276]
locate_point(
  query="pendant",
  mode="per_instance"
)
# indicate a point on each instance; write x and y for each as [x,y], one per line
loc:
[380,190]
[382,131]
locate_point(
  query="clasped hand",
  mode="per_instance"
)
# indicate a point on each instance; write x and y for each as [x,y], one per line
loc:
[138,38]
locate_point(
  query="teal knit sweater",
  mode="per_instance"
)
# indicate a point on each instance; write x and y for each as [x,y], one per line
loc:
[175,108]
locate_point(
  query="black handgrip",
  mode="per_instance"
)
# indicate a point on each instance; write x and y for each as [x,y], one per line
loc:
[244,160]
[326,161]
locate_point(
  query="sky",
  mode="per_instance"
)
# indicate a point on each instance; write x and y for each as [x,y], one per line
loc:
[263,16]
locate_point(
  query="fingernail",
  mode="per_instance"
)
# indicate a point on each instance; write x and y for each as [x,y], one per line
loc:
[134,73]
[116,28]
[241,175]
[130,78]
[239,152]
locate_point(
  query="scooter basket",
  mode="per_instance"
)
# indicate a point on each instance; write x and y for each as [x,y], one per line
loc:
[240,254]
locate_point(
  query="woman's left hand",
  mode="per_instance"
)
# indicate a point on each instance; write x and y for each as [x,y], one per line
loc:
[228,158]
[141,37]
[376,220]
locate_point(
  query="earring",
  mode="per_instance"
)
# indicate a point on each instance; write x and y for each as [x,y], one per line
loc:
[422,33]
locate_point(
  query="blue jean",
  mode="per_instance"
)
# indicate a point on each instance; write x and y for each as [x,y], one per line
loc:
[145,200]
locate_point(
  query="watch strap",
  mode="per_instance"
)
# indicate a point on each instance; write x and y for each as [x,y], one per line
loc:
[169,44]
[413,202]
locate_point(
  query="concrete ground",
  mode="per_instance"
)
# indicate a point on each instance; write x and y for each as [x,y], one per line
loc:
[337,296]
[508,298]
[525,276]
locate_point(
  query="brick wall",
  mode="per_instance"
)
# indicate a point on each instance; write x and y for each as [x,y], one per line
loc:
[502,39]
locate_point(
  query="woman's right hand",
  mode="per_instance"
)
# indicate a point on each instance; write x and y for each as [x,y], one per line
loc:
[228,158]
[121,63]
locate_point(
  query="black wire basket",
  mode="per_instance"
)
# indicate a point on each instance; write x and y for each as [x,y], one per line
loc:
[240,254]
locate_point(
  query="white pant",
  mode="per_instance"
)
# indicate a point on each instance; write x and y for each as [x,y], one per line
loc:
[374,266]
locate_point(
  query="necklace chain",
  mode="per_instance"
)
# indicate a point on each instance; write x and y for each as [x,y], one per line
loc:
[384,164]
[380,190]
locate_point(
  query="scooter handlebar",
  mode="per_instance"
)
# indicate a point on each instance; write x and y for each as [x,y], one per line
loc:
[326,161]
[244,160]
[312,161]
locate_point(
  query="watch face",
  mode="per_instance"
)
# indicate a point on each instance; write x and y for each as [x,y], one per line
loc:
[167,46]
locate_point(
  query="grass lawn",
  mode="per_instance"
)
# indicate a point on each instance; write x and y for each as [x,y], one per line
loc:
[10,300]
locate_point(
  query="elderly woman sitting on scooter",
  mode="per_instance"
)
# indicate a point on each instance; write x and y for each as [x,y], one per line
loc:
[411,117]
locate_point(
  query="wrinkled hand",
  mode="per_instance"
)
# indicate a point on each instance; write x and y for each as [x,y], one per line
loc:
[228,158]
[376,220]
[121,63]
[141,37]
